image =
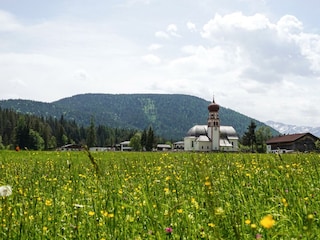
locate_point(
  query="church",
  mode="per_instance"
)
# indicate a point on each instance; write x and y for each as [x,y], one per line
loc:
[211,137]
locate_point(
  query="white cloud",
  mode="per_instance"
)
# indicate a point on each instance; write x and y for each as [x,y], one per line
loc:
[257,62]
[154,46]
[162,34]
[8,22]
[151,59]
[172,29]
[191,26]
[289,24]
[233,22]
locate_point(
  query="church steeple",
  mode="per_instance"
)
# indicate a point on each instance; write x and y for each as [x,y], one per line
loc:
[213,107]
[214,125]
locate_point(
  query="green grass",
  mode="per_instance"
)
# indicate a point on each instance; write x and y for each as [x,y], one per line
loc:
[61,195]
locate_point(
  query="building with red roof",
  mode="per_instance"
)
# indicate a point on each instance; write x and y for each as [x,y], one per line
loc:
[298,142]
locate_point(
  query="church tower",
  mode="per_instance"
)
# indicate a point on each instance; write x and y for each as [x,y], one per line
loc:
[214,126]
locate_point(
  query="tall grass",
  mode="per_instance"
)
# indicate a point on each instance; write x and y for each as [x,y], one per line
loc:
[61,195]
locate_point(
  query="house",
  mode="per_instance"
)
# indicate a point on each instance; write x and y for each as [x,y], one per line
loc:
[300,142]
[124,146]
[71,147]
[211,137]
[178,145]
[163,147]
[100,149]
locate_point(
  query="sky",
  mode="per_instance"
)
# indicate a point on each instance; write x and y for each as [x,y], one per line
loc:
[258,57]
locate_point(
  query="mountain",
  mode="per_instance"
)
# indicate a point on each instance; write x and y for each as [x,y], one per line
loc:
[170,115]
[290,129]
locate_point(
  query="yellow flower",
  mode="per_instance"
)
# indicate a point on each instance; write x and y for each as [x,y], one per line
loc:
[180,210]
[129,218]
[310,216]
[253,226]
[219,211]
[207,183]
[48,202]
[104,213]
[247,221]
[91,213]
[110,215]
[44,229]
[267,221]
[211,225]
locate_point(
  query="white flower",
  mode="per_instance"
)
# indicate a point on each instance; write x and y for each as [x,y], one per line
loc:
[78,205]
[5,191]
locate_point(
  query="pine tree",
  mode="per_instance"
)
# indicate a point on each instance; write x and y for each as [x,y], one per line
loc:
[150,139]
[249,137]
[91,136]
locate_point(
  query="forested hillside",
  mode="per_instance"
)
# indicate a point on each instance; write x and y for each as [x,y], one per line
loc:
[170,115]
[27,131]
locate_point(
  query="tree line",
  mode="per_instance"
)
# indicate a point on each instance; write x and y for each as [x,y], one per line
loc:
[24,131]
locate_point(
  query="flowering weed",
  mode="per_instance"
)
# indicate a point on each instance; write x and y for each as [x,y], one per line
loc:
[53,195]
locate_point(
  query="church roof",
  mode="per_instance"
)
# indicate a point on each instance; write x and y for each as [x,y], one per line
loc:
[197,130]
[225,143]
[203,138]
[225,131]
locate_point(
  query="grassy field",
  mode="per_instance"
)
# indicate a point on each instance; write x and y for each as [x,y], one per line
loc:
[117,195]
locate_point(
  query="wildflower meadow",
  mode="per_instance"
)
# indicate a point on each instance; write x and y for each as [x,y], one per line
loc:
[160,195]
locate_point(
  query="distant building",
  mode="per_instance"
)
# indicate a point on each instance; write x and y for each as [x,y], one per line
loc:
[124,146]
[211,137]
[163,147]
[100,149]
[71,147]
[300,142]
[178,145]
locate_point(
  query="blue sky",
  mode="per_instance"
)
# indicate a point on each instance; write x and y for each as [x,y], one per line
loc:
[258,57]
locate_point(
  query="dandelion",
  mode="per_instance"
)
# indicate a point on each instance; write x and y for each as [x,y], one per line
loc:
[48,203]
[180,210]
[310,216]
[267,221]
[104,213]
[284,202]
[247,221]
[219,211]
[211,225]
[91,213]
[5,191]
[129,218]
[253,226]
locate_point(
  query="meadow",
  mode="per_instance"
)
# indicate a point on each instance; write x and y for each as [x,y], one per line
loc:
[128,195]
